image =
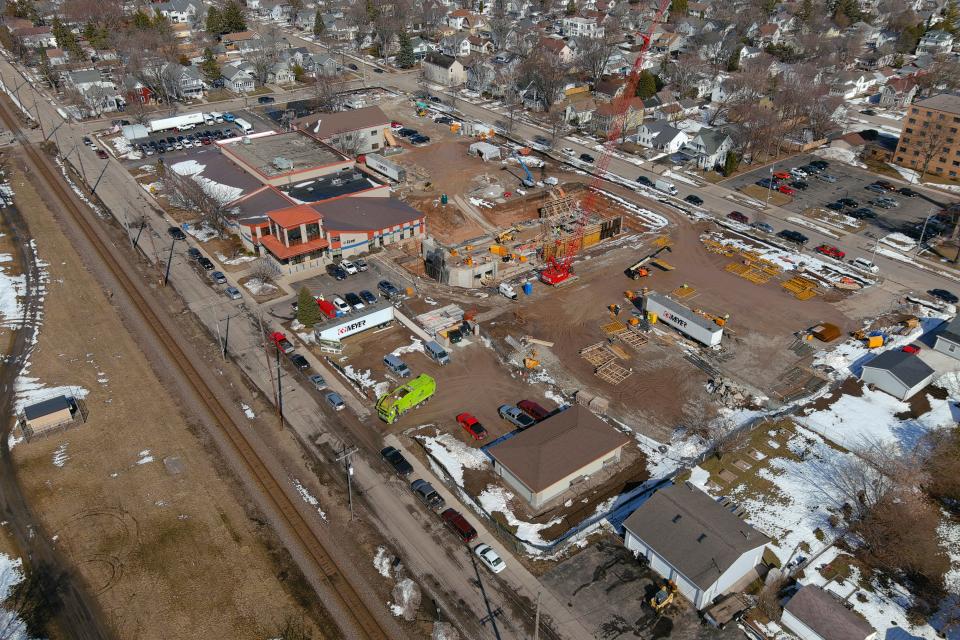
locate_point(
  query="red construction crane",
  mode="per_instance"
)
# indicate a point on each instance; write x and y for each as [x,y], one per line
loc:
[559,264]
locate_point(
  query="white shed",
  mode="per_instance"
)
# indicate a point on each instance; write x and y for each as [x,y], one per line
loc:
[815,614]
[485,151]
[948,338]
[692,539]
[899,373]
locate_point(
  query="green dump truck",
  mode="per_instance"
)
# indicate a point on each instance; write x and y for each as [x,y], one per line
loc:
[411,395]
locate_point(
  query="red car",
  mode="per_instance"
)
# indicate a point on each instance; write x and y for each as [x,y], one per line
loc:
[786,189]
[472,426]
[533,409]
[102,154]
[782,175]
[831,251]
[736,216]
[911,348]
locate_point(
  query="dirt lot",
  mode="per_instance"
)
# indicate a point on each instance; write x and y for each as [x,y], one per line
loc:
[131,496]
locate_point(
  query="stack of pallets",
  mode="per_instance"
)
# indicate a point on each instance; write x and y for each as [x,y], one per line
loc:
[801,288]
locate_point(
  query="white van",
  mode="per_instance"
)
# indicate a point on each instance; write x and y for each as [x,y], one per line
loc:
[865,264]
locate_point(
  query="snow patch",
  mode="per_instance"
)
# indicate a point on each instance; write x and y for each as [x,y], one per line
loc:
[453,455]
[247,411]
[382,561]
[60,456]
[307,497]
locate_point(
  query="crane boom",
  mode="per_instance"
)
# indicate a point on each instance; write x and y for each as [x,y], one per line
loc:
[558,269]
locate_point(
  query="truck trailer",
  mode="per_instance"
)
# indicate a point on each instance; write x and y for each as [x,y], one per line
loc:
[175,122]
[402,399]
[693,325]
[383,166]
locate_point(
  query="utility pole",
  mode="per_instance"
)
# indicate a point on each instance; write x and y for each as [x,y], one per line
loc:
[266,352]
[345,455]
[166,275]
[279,391]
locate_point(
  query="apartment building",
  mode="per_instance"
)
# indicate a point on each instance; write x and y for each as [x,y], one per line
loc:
[930,139]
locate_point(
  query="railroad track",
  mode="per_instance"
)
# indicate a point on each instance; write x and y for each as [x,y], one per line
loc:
[350,601]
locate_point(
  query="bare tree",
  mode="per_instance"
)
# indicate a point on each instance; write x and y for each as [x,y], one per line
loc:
[325,94]
[593,55]
[357,17]
[262,270]
[430,13]
[929,139]
[684,72]
[544,74]
[499,24]
[201,195]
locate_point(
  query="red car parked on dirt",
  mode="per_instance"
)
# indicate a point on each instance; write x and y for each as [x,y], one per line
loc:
[831,251]
[472,426]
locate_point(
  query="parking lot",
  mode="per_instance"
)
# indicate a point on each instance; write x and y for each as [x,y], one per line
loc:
[851,182]
[170,140]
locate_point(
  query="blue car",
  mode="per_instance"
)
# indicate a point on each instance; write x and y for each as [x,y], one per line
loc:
[229,117]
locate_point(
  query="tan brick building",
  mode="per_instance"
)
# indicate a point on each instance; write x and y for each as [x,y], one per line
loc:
[930,139]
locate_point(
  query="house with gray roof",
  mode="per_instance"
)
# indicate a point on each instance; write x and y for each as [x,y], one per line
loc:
[662,136]
[815,614]
[237,78]
[710,147]
[948,338]
[898,373]
[700,543]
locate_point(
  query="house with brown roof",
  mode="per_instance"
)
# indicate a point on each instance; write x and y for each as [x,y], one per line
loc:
[606,115]
[558,48]
[699,543]
[815,614]
[353,132]
[557,454]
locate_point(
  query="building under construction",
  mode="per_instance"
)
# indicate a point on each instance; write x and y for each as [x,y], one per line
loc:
[524,247]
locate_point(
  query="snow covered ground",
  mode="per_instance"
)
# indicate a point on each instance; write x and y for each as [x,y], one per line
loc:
[11,574]
[258,287]
[453,455]
[846,156]
[497,499]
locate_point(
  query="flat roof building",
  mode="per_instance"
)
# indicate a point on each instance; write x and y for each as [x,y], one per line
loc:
[556,454]
[287,158]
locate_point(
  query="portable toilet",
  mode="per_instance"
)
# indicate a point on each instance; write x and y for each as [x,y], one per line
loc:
[527,288]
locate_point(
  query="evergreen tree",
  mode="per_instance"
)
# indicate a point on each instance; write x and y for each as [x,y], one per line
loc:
[210,67]
[405,57]
[318,25]
[233,18]
[730,163]
[571,8]
[733,64]
[646,85]
[141,21]
[308,311]
[298,72]
[66,39]
[951,18]
[214,21]
[678,9]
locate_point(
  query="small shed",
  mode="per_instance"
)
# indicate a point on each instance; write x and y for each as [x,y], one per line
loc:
[48,414]
[899,373]
[948,338]
[815,614]
[485,151]
[826,332]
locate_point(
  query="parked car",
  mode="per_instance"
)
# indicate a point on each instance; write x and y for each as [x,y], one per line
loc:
[472,426]
[299,361]
[349,267]
[337,271]
[848,202]
[533,409]
[883,204]
[353,67]
[826,177]
[762,226]
[831,251]
[875,188]
[586,157]
[176,233]
[368,297]
[318,382]
[823,164]
[340,305]
[799,185]
[811,169]
[786,190]
[909,193]
[218,277]
[427,494]
[284,345]
[87,141]
[396,125]
[361,264]
[868,112]
[459,525]
[396,460]
[863,213]
[335,400]
[782,175]
[490,558]
[102,154]
[266,100]
[205,262]
[768,183]
[863,263]
[736,216]
[406,132]
[419,139]
[793,236]
[568,151]
[797,172]
[354,300]
[694,200]
[835,206]
[886,184]
[233,293]
[644,180]
[515,416]
[388,289]
[943,294]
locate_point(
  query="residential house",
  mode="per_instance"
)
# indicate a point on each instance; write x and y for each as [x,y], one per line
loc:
[280,73]
[276,10]
[99,93]
[444,70]
[850,84]
[578,109]
[237,78]
[711,147]
[479,45]
[35,37]
[179,11]
[421,47]
[559,48]
[457,45]
[135,91]
[57,57]
[353,132]
[580,27]
[934,42]
[606,116]
[318,64]
[948,338]
[481,75]
[669,43]
[695,541]
[898,373]
[662,136]
[898,93]
[559,454]
[456,19]
[305,18]
[768,33]
[609,88]
[242,41]
[186,82]
[699,10]
[816,614]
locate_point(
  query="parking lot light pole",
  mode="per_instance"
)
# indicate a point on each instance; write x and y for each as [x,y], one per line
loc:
[769,184]
[923,232]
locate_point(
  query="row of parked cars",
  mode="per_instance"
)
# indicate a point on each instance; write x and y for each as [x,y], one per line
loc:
[524,415]
[452,518]
[332,398]
[795,179]
[171,143]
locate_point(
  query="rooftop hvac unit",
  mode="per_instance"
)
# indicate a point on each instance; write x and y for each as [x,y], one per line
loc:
[337,182]
[282,163]
[356,175]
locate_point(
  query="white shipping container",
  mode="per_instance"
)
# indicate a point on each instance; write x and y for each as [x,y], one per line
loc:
[162,124]
[691,324]
[354,324]
[390,169]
